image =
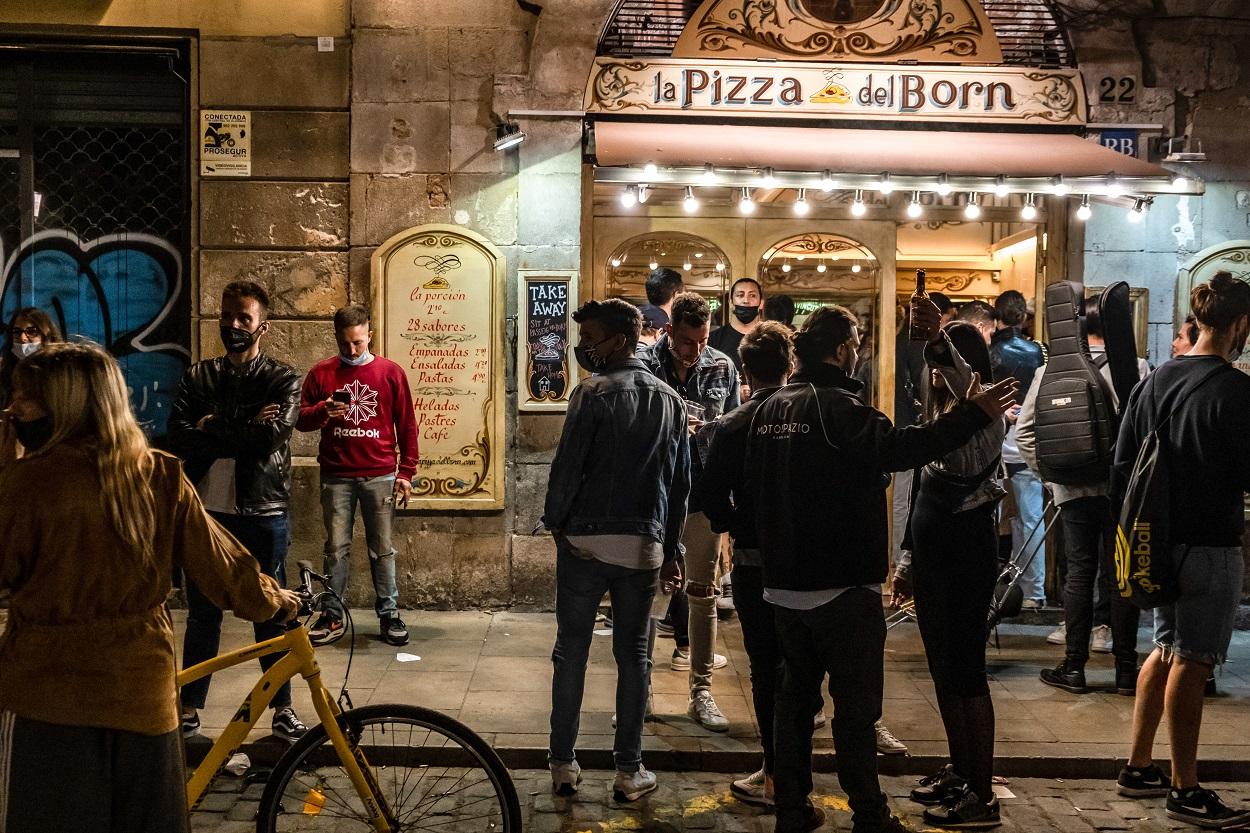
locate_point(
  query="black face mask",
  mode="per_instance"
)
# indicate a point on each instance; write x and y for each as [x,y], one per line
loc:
[34,434]
[236,340]
[746,314]
[589,358]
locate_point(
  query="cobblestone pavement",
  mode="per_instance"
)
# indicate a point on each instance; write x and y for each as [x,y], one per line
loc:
[701,802]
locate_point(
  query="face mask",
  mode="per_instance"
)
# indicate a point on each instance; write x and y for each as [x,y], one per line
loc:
[363,358]
[34,434]
[746,314]
[27,349]
[589,358]
[236,340]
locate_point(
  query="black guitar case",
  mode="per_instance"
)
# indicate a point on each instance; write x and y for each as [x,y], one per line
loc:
[1075,419]
[1116,310]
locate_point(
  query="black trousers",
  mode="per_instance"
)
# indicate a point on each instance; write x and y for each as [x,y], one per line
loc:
[71,778]
[759,637]
[844,639]
[1087,531]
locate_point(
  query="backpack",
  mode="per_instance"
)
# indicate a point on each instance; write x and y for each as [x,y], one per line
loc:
[1075,421]
[1143,551]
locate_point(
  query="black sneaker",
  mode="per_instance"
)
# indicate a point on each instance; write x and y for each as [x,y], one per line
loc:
[809,819]
[190,726]
[968,813]
[393,630]
[287,726]
[941,787]
[1204,808]
[1064,676]
[1126,678]
[326,629]
[1210,690]
[1146,782]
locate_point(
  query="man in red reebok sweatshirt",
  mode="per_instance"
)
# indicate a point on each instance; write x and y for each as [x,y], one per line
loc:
[362,406]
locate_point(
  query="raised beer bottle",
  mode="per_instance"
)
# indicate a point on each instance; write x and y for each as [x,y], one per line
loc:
[915,331]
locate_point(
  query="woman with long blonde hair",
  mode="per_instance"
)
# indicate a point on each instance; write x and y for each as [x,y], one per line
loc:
[93,523]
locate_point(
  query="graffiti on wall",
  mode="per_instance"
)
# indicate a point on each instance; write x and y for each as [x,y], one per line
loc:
[118,290]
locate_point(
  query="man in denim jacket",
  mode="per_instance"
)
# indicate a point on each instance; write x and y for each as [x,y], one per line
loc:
[616,504]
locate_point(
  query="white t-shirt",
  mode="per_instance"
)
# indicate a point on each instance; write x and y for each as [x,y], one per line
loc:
[635,552]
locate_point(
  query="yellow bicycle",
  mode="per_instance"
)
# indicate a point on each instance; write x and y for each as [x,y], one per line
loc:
[386,767]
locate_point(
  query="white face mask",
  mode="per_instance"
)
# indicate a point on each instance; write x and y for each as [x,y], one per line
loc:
[363,358]
[27,349]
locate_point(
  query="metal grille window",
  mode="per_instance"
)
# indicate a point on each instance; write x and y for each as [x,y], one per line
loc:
[1030,31]
[95,203]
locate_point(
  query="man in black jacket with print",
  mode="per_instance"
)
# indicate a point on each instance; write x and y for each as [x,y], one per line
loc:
[816,462]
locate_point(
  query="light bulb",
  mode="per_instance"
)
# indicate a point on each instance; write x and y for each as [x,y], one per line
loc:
[801,206]
[857,206]
[821,268]
[785,267]
[650,169]
[856,268]
[1029,211]
[698,254]
[644,193]
[826,182]
[1179,183]
[690,203]
[629,198]
[687,266]
[972,210]
[1000,187]
[745,204]
[1138,212]
[709,176]
[886,186]
[943,187]
[616,261]
[914,208]
[1058,187]
[720,267]
[1084,212]
[1114,188]
[654,265]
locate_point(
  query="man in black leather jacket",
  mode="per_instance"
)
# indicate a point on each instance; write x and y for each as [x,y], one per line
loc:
[231,424]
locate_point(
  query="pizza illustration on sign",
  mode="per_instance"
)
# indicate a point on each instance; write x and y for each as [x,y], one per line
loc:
[833,93]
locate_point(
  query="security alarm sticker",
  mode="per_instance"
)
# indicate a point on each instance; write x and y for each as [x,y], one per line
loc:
[225,143]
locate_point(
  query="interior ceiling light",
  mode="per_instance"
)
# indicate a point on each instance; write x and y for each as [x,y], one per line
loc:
[644,193]
[914,208]
[826,181]
[698,254]
[654,265]
[629,197]
[687,266]
[745,204]
[1058,187]
[973,209]
[856,268]
[1000,186]
[801,206]
[508,135]
[1029,211]
[821,268]
[709,176]
[690,203]
[720,267]
[1179,183]
[886,186]
[616,261]
[785,267]
[650,169]
[944,186]
[1084,212]
[1114,188]
[1138,212]
[857,205]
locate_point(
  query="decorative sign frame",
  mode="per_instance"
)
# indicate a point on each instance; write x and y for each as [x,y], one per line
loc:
[545,368]
[438,310]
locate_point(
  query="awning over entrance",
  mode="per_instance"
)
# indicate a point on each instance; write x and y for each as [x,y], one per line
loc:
[901,153]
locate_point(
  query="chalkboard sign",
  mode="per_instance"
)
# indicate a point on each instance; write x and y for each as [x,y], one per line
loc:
[545,372]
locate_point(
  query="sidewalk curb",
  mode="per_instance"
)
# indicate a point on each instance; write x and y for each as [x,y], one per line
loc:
[266,752]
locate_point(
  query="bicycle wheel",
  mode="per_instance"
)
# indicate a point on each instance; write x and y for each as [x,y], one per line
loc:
[433,772]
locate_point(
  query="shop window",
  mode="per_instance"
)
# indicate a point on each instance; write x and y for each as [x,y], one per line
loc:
[703,266]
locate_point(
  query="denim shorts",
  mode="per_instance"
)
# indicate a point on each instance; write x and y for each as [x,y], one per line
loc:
[1199,625]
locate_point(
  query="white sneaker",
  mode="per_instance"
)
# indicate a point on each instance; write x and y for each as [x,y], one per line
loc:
[1100,639]
[565,777]
[681,660]
[1059,636]
[704,711]
[631,786]
[887,744]
[725,601]
[756,788]
[819,721]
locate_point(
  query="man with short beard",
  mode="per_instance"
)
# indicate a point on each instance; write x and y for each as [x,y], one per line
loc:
[746,300]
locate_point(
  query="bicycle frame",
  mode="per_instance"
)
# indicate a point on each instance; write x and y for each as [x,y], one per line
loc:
[300,659]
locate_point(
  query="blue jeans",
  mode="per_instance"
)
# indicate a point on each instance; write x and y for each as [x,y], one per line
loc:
[580,584]
[376,496]
[267,538]
[1030,501]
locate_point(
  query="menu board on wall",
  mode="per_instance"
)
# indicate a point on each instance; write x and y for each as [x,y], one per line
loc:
[438,312]
[545,372]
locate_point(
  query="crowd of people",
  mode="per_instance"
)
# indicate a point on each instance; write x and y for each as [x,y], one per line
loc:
[676,453]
